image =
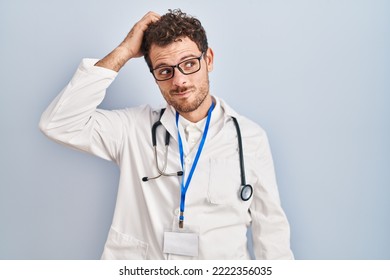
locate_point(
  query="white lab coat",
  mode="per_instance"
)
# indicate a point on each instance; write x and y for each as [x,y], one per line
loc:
[145,210]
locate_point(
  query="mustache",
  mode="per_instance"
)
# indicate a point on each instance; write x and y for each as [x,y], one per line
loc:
[181,89]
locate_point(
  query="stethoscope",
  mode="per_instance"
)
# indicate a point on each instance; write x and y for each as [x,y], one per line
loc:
[246,190]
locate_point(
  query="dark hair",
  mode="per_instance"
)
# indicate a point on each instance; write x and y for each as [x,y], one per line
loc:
[171,26]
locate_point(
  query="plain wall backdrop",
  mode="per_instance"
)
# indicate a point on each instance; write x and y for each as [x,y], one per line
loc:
[314,74]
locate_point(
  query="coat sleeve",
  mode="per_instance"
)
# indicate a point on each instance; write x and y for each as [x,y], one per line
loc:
[73,119]
[270,228]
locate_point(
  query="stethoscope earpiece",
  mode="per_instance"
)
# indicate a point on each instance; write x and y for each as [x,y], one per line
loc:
[246,192]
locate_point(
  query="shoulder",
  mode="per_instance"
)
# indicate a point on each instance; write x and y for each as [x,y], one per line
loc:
[254,137]
[140,113]
[138,117]
[247,126]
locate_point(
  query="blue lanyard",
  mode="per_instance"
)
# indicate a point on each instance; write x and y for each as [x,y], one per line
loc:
[185,185]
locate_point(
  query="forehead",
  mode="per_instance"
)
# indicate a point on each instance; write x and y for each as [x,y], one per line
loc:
[174,52]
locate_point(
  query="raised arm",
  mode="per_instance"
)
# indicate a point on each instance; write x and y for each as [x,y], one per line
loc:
[73,119]
[131,45]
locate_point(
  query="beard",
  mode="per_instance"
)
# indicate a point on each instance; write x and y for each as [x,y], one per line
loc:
[198,95]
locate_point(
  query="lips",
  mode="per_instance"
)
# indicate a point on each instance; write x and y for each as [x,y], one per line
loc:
[181,92]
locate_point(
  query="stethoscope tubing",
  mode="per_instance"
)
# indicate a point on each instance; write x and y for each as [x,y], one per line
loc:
[161,171]
[240,151]
[246,190]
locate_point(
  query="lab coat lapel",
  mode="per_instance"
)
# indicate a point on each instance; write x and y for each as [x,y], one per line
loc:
[169,122]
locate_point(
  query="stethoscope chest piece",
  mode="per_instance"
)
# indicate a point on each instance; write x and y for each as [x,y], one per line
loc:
[246,192]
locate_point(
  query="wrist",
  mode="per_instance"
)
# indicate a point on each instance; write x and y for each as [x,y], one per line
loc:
[116,59]
[123,52]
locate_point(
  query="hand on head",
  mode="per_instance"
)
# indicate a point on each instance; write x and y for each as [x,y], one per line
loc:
[130,46]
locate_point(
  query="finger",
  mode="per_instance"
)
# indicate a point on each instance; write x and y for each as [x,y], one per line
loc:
[151,17]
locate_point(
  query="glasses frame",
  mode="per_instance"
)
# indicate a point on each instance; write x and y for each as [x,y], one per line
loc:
[178,67]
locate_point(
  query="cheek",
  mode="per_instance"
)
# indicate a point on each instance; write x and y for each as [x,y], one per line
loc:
[164,90]
[161,87]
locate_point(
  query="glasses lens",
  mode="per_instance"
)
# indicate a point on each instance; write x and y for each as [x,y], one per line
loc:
[189,66]
[163,73]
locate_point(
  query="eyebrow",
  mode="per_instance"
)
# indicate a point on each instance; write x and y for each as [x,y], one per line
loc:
[181,60]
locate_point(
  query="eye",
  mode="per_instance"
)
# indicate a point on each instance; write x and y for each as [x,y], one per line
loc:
[188,64]
[164,71]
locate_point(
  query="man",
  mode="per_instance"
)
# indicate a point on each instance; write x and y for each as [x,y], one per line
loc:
[195,207]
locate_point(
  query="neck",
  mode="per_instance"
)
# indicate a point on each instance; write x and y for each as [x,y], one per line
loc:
[200,113]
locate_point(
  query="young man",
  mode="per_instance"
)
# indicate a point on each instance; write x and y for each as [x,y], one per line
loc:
[199,205]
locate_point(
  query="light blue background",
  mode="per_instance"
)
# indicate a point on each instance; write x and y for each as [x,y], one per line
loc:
[314,74]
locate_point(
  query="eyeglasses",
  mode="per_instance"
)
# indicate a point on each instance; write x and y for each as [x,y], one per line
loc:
[187,67]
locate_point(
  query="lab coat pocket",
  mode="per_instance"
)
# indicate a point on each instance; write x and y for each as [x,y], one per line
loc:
[120,246]
[224,181]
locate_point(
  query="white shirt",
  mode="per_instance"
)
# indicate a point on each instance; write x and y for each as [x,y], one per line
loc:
[145,210]
[193,132]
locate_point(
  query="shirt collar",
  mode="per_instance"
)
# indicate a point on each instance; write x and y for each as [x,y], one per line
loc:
[220,114]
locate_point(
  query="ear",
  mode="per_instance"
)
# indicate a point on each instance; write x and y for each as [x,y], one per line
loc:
[209,57]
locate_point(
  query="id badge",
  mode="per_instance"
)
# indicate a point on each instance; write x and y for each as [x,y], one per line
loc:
[181,243]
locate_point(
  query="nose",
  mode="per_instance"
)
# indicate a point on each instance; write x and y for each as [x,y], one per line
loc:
[179,79]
